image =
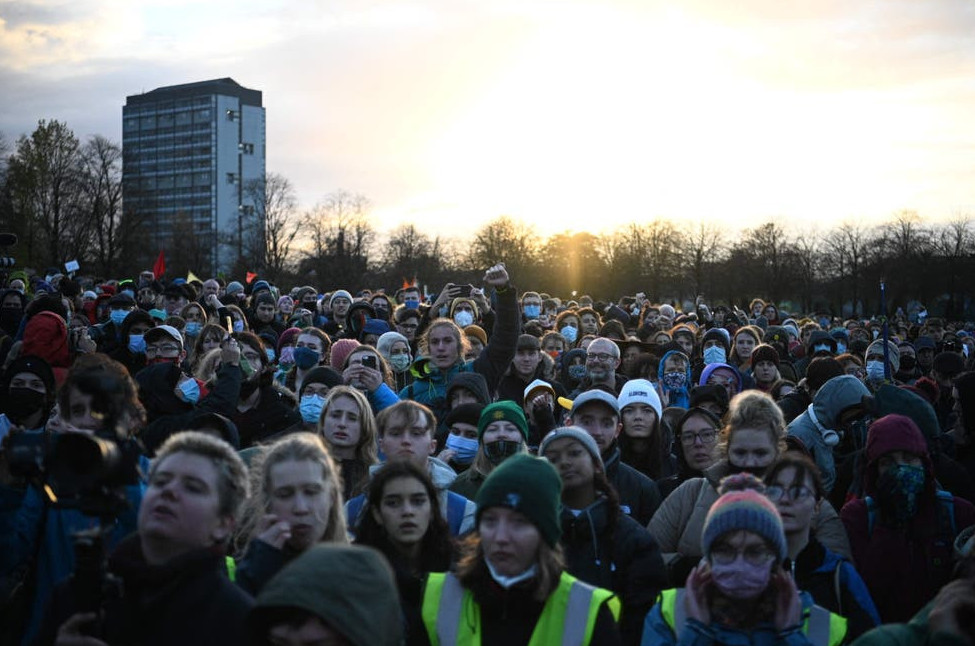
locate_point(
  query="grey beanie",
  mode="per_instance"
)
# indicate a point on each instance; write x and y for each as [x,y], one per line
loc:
[577,434]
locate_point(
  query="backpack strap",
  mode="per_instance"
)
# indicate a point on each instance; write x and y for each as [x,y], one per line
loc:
[837,588]
[871,514]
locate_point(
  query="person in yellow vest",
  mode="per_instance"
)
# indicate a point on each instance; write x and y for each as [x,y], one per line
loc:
[739,593]
[510,586]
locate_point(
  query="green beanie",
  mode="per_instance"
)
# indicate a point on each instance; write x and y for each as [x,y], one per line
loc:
[528,485]
[503,410]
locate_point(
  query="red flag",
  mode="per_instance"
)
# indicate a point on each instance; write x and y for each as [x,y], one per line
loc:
[250,277]
[159,268]
[406,284]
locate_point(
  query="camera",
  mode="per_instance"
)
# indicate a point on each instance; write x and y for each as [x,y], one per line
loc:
[369,361]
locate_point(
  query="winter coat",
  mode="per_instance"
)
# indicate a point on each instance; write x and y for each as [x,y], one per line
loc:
[442,475]
[916,632]
[821,573]
[271,416]
[430,383]
[836,395]
[679,522]
[46,336]
[260,562]
[639,496]
[617,555]
[904,567]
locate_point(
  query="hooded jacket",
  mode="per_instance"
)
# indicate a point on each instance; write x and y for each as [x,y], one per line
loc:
[46,336]
[615,554]
[350,588]
[675,397]
[904,567]
[639,495]
[679,522]
[822,416]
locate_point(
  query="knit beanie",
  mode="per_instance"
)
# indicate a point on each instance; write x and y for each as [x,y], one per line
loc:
[477,332]
[465,414]
[528,485]
[640,391]
[764,352]
[502,410]
[720,335]
[746,510]
[579,435]
[878,348]
[340,293]
[341,349]
[821,370]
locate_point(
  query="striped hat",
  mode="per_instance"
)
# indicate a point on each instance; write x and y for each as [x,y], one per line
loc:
[746,510]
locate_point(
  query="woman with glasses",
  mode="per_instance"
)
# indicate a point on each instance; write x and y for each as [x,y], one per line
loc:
[740,593]
[695,438]
[794,486]
[752,439]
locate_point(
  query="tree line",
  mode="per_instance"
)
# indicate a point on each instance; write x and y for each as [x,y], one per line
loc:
[63,198]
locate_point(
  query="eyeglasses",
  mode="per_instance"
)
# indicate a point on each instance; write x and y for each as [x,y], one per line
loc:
[724,383]
[161,349]
[704,437]
[601,356]
[775,493]
[409,326]
[754,555]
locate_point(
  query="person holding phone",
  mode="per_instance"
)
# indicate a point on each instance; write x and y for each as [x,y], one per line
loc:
[366,370]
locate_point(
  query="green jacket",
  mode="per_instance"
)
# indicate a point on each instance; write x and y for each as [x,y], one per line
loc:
[914,633]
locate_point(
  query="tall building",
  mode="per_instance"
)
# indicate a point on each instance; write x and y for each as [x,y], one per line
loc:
[193,155]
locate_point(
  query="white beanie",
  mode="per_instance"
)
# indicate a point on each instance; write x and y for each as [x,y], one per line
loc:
[640,391]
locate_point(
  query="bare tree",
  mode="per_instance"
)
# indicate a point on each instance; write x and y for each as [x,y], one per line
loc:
[342,239]
[507,240]
[276,223]
[702,248]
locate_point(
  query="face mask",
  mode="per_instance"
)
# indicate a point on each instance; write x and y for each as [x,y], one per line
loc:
[498,452]
[193,328]
[137,344]
[898,492]
[741,579]
[875,371]
[909,363]
[23,403]
[306,358]
[270,354]
[876,333]
[570,333]
[238,326]
[507,581]
[714,354]
[287,355]
[822,347]
[311,407]
[246,367]
[464,448]
[532,311]
[400,362]
[577,372]
[117,316]
[411,304]
[840,347]
[463,318]
[10,318]
[674,380]
[189,391]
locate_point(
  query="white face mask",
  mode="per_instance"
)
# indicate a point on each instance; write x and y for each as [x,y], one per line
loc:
[463,318]
[508,581]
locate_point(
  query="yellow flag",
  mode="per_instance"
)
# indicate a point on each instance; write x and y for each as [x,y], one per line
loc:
[190,277]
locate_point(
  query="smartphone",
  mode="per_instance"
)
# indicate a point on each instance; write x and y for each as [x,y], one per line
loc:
[464,290]
[369,361]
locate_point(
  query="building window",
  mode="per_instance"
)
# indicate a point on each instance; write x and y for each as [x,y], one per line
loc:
[231,178]
[247,149]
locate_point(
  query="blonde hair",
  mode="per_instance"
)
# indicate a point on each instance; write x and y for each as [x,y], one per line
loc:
[463,343]
[753,409]
[231,471]
[298,447]
[366,450]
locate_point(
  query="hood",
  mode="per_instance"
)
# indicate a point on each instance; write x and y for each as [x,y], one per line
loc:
[820,336]
[711,367]
[441,474]
[891,399]
[566,360]
[836,395]
[894,433]
[472,381]
[349,587]
[46,336]
[663,361]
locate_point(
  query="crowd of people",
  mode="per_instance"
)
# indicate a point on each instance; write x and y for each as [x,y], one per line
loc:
[212,463]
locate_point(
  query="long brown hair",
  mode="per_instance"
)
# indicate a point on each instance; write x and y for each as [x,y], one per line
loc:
[472,567]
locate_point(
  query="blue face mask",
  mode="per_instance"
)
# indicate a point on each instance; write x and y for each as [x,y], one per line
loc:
[311,407]
[570,333]
[822,347]
[306,358]
[464,448]
[193,328]
[137,344]
[411,304]
[463,318]
[400,362]
[533,311]
[674,380]
[189,391]
[840,347]
[577,372]
[238,326]
[270,354]
[875,371]
[714,354]
[118,316]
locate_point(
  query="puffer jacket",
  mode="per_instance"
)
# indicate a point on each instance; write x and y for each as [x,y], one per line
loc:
[679,522]
[836,395]
[616,554]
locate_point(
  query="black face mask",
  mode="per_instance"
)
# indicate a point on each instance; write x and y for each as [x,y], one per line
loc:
[10,319]
[498,452]
[908,364]
[23,403]
[758,472]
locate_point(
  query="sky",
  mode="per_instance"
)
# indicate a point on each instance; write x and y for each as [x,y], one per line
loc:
[572,116]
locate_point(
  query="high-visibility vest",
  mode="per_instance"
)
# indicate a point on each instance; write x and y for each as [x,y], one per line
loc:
[821,627]
[568,616]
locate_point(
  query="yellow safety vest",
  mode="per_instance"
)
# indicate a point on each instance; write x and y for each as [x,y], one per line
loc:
[568,617]
[822,627]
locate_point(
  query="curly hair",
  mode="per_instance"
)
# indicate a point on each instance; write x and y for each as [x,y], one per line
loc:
[753,410]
